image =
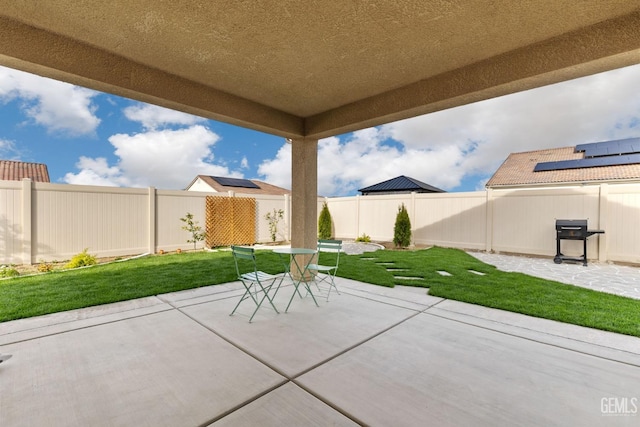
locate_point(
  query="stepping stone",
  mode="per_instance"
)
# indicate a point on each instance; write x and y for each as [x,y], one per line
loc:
[477,272]
[397,269]
[408,277]
[385,263]
[369,259]
[444,273]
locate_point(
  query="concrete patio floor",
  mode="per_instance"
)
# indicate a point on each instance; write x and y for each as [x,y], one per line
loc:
[372,356]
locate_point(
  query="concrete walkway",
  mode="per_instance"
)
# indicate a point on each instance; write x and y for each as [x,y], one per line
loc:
[371,356]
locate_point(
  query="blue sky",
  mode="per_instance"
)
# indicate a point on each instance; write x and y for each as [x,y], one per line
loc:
[92,138]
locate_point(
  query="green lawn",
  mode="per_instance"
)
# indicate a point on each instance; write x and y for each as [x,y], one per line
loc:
[31,296]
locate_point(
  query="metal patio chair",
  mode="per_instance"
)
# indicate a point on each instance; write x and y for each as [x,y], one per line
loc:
[326,272]
[257,283]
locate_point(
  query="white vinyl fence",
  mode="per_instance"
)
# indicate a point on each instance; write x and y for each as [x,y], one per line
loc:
[511,221]
[42,221]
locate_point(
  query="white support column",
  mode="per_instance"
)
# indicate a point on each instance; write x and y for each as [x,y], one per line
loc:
[152,221]
[603,242]
[27,220]
[287,217]
[489,221]
[304,193]
[357,216]
[412,218]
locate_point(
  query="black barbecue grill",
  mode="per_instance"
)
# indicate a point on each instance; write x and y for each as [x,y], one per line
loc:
[572,229]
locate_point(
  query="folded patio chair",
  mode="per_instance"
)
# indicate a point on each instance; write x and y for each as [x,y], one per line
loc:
[326,272]
[257,283]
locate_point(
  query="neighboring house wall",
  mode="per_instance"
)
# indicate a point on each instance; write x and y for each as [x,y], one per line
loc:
[41,221]
[200,185]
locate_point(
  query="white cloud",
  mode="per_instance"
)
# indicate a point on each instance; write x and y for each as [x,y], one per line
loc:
[153,117]
[8,150]
[167,159]
[590,109]
[96,172]
[278,170]
[59,107]
[444,148]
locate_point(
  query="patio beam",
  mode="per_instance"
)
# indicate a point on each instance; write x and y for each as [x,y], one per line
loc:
[604,46]
[52,55]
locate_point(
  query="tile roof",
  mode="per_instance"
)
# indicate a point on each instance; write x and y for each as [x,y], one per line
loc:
[400,184]
[517,170]
[263,187]
[11,170]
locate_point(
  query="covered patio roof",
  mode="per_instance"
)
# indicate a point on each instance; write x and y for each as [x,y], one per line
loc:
[315,69]
[308,70]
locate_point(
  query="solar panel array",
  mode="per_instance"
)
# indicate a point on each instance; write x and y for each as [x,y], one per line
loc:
[610,148]
[597,154]
[234,182]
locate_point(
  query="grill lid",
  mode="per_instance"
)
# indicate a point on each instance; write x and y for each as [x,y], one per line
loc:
[571,224]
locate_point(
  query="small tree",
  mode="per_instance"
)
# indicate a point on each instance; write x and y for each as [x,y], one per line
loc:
[324,222]
[273,218]
[192,227]
[402,229]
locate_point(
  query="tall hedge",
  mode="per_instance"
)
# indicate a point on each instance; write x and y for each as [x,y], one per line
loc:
[402,228]
[324,223]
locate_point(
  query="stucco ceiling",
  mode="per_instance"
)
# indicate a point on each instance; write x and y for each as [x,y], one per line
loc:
[317,68]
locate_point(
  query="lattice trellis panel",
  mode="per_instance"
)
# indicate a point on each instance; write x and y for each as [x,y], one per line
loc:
[230,221]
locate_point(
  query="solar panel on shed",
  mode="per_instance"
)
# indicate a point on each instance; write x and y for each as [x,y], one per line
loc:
[234,182]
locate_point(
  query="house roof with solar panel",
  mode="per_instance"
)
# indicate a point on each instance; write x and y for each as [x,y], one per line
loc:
[220,184]
[598,162]
[399,185]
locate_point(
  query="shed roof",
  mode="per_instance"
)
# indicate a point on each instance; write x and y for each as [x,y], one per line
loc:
[401,184]
[11,170]
[225,184]
[518,170]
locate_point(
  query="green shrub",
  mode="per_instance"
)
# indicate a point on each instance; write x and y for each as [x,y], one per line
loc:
[81,260]
[324,222]
[6,271]
[364,238]
[402,229]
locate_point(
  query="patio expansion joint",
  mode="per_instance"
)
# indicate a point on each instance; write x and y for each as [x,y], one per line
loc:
[243,404]
[286,378]
[80,328]
[294,378]
[567,348]
[399,304]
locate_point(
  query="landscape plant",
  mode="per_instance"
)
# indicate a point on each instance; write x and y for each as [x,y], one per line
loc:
[191,226]
[273,218]
[324,222]
[402,228]
[7,271]
[45,267]
[83,259]
[364,238]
